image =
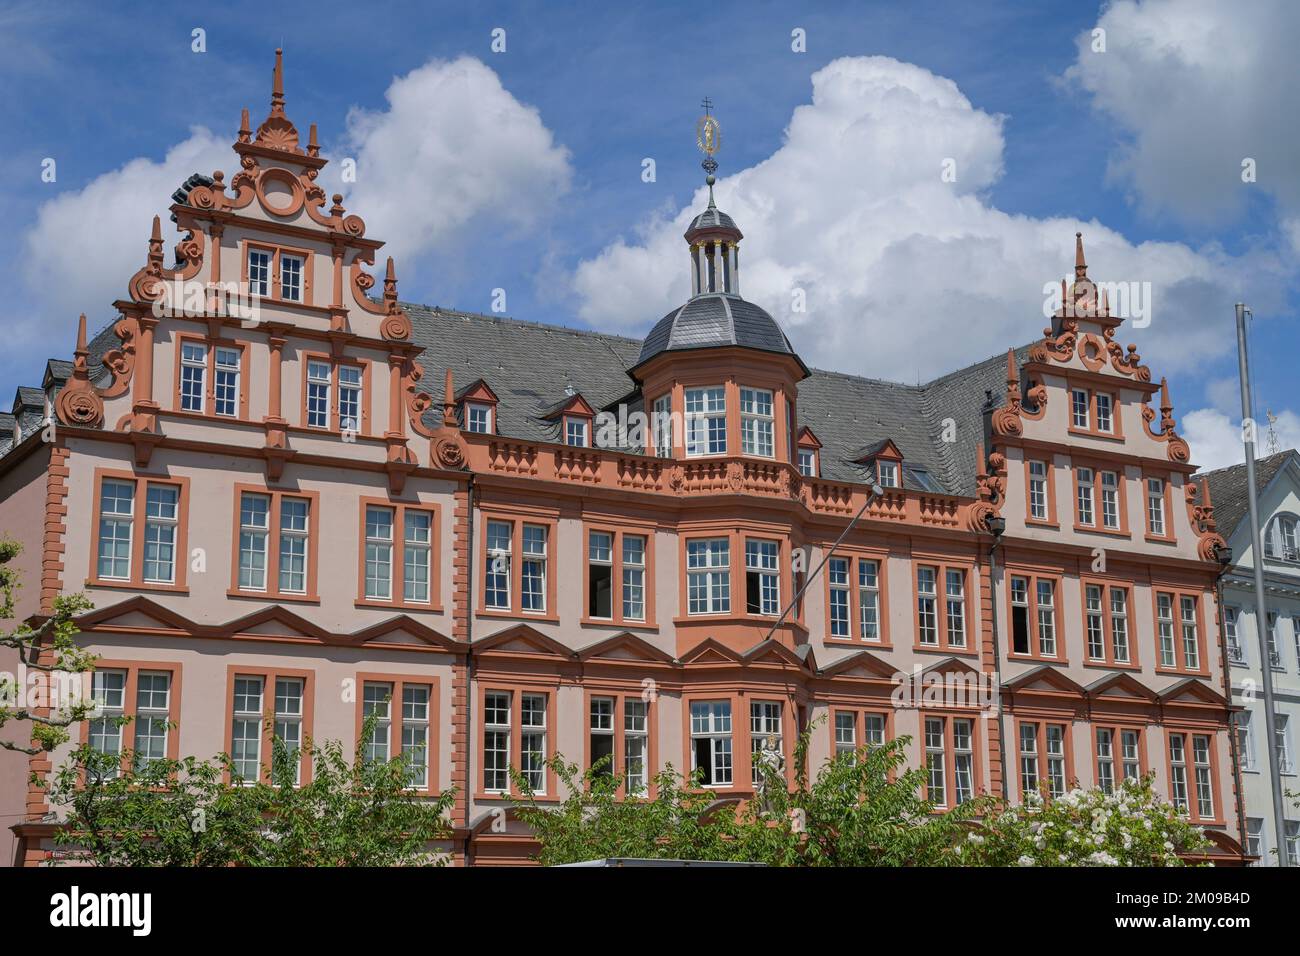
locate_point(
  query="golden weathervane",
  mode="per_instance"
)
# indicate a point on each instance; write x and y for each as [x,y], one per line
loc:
[707,134]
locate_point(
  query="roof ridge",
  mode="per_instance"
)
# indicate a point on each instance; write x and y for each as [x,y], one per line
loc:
[533,323]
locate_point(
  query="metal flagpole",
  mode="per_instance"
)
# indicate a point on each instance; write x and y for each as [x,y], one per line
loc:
[1261,611]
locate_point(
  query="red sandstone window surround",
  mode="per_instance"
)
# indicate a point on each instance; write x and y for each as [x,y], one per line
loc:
[517,558]
[1095,413]
[940,608]
[1109,624]
[1157,507]
[517,729]
[405,707]
[335,394]
[276,543]
[148,692]
[1046,764]
[621,730]
[1034,619]
[1119,753]
[619,575]
[211,377]
[1180,632]
[857,598]
[1040,492]
[950,756]
[278,273]
[1100,498]
[853,728]
[1193,772]
[264,705]
[139,536]
[398,564]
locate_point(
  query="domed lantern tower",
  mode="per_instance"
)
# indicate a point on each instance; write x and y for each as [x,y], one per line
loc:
[718,365]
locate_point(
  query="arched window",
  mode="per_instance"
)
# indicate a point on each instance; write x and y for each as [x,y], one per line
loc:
[1281,542]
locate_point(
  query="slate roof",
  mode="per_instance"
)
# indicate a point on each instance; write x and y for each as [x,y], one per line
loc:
[712,320]
[528,365]
[1229,493]
[712,218]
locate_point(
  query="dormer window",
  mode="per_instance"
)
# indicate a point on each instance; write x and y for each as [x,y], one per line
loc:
[706,421]
[577,431]
[885,461]
[478,418]
[808,462]
[756,422]
[887,473]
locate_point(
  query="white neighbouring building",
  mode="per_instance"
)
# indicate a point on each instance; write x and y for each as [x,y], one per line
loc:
[1277,480]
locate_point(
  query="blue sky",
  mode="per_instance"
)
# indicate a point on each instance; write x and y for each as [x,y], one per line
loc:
[1065,136]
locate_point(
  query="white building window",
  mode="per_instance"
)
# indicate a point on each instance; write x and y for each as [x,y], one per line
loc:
[1281,539]
[293,544]
[1156,506]
[254,531]
[377,702]
[259,272]
[418,543]
[764,729]
[318,394]
[160,528]
[1236,652]
[379,553]
[1191,644]
[1110,500]
[711,741]
[575,432]
[837,571]
[706,421]
[532,740]
[1105,422]
[116,510]
[104,734]
[846,732]
[246,729]
[226,382]
[415,734]
[1079,408]
[955,596]
[636,739]
[869,599]
[887,473]
[1282,730]
[496,577]
[496,741]
[532,569]
[808,462]
[152,713]
[1105,738]
[350,398]
[762,578]
[288,720]
[1084,481]
[663,426]
[478,418]
[1255,839]
[1246,740]
[194,367]
[291,277]
[1038,490]
[756,422]
[634,546]
[926,610]
[708,576]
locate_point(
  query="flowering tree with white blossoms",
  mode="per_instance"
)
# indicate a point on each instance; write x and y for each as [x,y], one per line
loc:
[1129,826]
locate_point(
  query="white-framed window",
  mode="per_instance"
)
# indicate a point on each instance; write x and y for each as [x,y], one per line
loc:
[1165,628]
[288,719]
[226,381]
[808,462]
[1095,622]
[377,702]
[1046,617]
[1281,540]
[116,514]
[246,728]
[1191,645]
[532,740]
[708,576]
[496,741]
[194,368]
[575,432]
[291,277]
[706,421]
[1119,625]
[1038,490]
[152,713]
[636,746]
[1028,758]
[869,598]
[1282,730]
[936,790]
[1274,652]
[532,569]
[1156,506]
[1079,408]
[927,616]
[259,272]
[1052,758]
[1105,739]
[711,741]
[601,735]
[1246,740]
[160,529]
[600,576]
[1204,782]
[1292,841]
[415,734]
[1054,738]
[1178,770]
[294,517]
[417,542]
[757,422]
[663,426]
[1236,652]
[318,394]
[955,596]
[254,533]
[837,571]
[350,377]
[1255,839]
[496,578]
[764,726]
[1083,478]
[379,553]
[104,734]
[1130,754]
[846,732]
[887,473]
[1109,500]
[634,547]
[1105,420]
[478,418]
[762,577]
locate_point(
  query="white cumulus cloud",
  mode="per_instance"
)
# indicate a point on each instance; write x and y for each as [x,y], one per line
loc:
[905,274]
[1216,438]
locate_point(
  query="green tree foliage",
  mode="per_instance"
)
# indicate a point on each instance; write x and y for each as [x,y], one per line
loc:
[122,811]
[55,633]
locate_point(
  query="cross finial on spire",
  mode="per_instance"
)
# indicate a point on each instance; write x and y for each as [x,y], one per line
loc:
[706,104]
[1080,266]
